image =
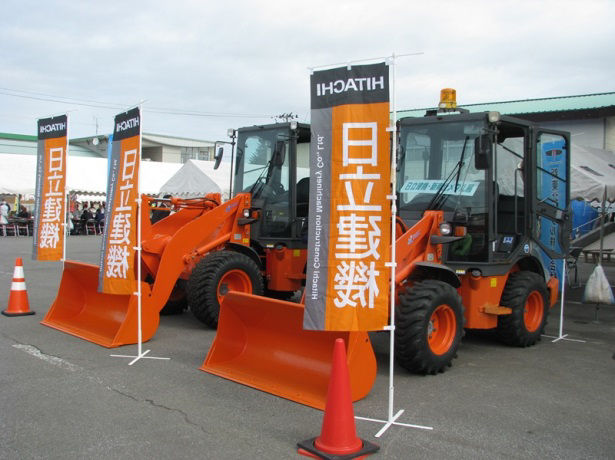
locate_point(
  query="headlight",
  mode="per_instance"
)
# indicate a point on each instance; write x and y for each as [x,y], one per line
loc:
[246,212]
[446,229]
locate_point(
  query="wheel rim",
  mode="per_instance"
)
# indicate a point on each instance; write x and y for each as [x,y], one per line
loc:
[441,329]
[533,311]
[234,280]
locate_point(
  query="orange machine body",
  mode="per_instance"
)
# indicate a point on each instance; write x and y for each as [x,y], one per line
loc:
[261,343]
[171,248]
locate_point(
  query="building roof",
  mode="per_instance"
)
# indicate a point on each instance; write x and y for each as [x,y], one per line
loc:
[22,144]
[174,141]
[93,145]
[18,137]
[565,107]
[98,143]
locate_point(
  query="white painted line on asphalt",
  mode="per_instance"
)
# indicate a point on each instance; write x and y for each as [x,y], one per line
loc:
[33,351]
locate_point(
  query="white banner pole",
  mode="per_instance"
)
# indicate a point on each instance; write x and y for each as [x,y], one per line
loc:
[66,224]
[561,311]
[561,335]
[391,419]
[393,130]
[139,325]
[140,353]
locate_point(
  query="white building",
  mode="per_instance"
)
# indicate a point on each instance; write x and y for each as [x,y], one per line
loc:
[155,147]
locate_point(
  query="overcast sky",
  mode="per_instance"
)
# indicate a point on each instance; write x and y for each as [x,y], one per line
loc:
[239,63]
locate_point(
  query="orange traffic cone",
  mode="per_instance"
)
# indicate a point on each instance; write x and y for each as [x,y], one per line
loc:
[18,297]
[338,438]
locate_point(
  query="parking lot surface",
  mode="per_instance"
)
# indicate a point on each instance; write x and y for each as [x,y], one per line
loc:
[65,398]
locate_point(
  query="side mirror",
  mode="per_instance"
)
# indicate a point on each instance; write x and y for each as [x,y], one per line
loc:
[279,154]
[483,150]
[218,157]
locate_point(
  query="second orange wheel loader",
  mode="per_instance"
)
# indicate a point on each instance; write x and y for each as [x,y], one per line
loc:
[483,220]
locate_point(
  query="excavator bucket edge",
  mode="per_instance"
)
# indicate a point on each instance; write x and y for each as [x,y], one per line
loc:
[261,343]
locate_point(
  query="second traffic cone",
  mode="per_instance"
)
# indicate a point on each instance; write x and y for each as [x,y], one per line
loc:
[18,297]
[338,438]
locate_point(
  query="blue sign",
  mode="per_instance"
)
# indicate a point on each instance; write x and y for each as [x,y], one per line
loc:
[552,191]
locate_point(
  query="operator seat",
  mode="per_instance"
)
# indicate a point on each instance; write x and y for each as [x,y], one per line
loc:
[303,197]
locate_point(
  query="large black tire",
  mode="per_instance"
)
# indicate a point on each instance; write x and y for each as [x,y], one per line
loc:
[178,301]
[214,276]
[526,293]
[428,327]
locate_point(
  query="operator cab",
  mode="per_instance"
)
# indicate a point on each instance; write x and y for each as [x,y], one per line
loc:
[496,179]
[272,164]
[437,171]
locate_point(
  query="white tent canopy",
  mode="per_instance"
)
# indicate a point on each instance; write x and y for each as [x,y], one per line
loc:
[197,178]
[591,170]
[85,175]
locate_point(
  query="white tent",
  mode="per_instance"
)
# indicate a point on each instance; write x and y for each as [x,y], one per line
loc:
[591,170]
[85,175]
[197,178]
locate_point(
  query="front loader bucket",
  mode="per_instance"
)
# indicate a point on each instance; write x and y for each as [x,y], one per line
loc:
[261,343]
[109,320]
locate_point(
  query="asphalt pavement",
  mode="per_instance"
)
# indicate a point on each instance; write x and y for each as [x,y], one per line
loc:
[65,398]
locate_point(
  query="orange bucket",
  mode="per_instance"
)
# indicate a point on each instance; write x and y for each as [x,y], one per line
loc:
[109,320]
[261,343]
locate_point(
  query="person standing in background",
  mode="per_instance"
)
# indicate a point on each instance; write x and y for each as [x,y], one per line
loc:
[99,217]
[4,213]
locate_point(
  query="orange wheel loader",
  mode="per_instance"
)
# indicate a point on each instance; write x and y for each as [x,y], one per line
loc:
[201,251]
[171,248]
[483,220]
[483,217]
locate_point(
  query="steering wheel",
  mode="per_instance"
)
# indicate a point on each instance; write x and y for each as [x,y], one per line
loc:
[256,187]
[276,189]
[270,190]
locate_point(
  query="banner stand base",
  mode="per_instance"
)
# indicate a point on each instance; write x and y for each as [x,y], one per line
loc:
[563,337]
[389,423]
[138,357]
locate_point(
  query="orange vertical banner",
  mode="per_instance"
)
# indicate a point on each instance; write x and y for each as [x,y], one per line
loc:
[50,212]
[116,273]
[349,238]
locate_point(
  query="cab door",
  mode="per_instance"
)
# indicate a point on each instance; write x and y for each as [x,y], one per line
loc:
[551,197]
